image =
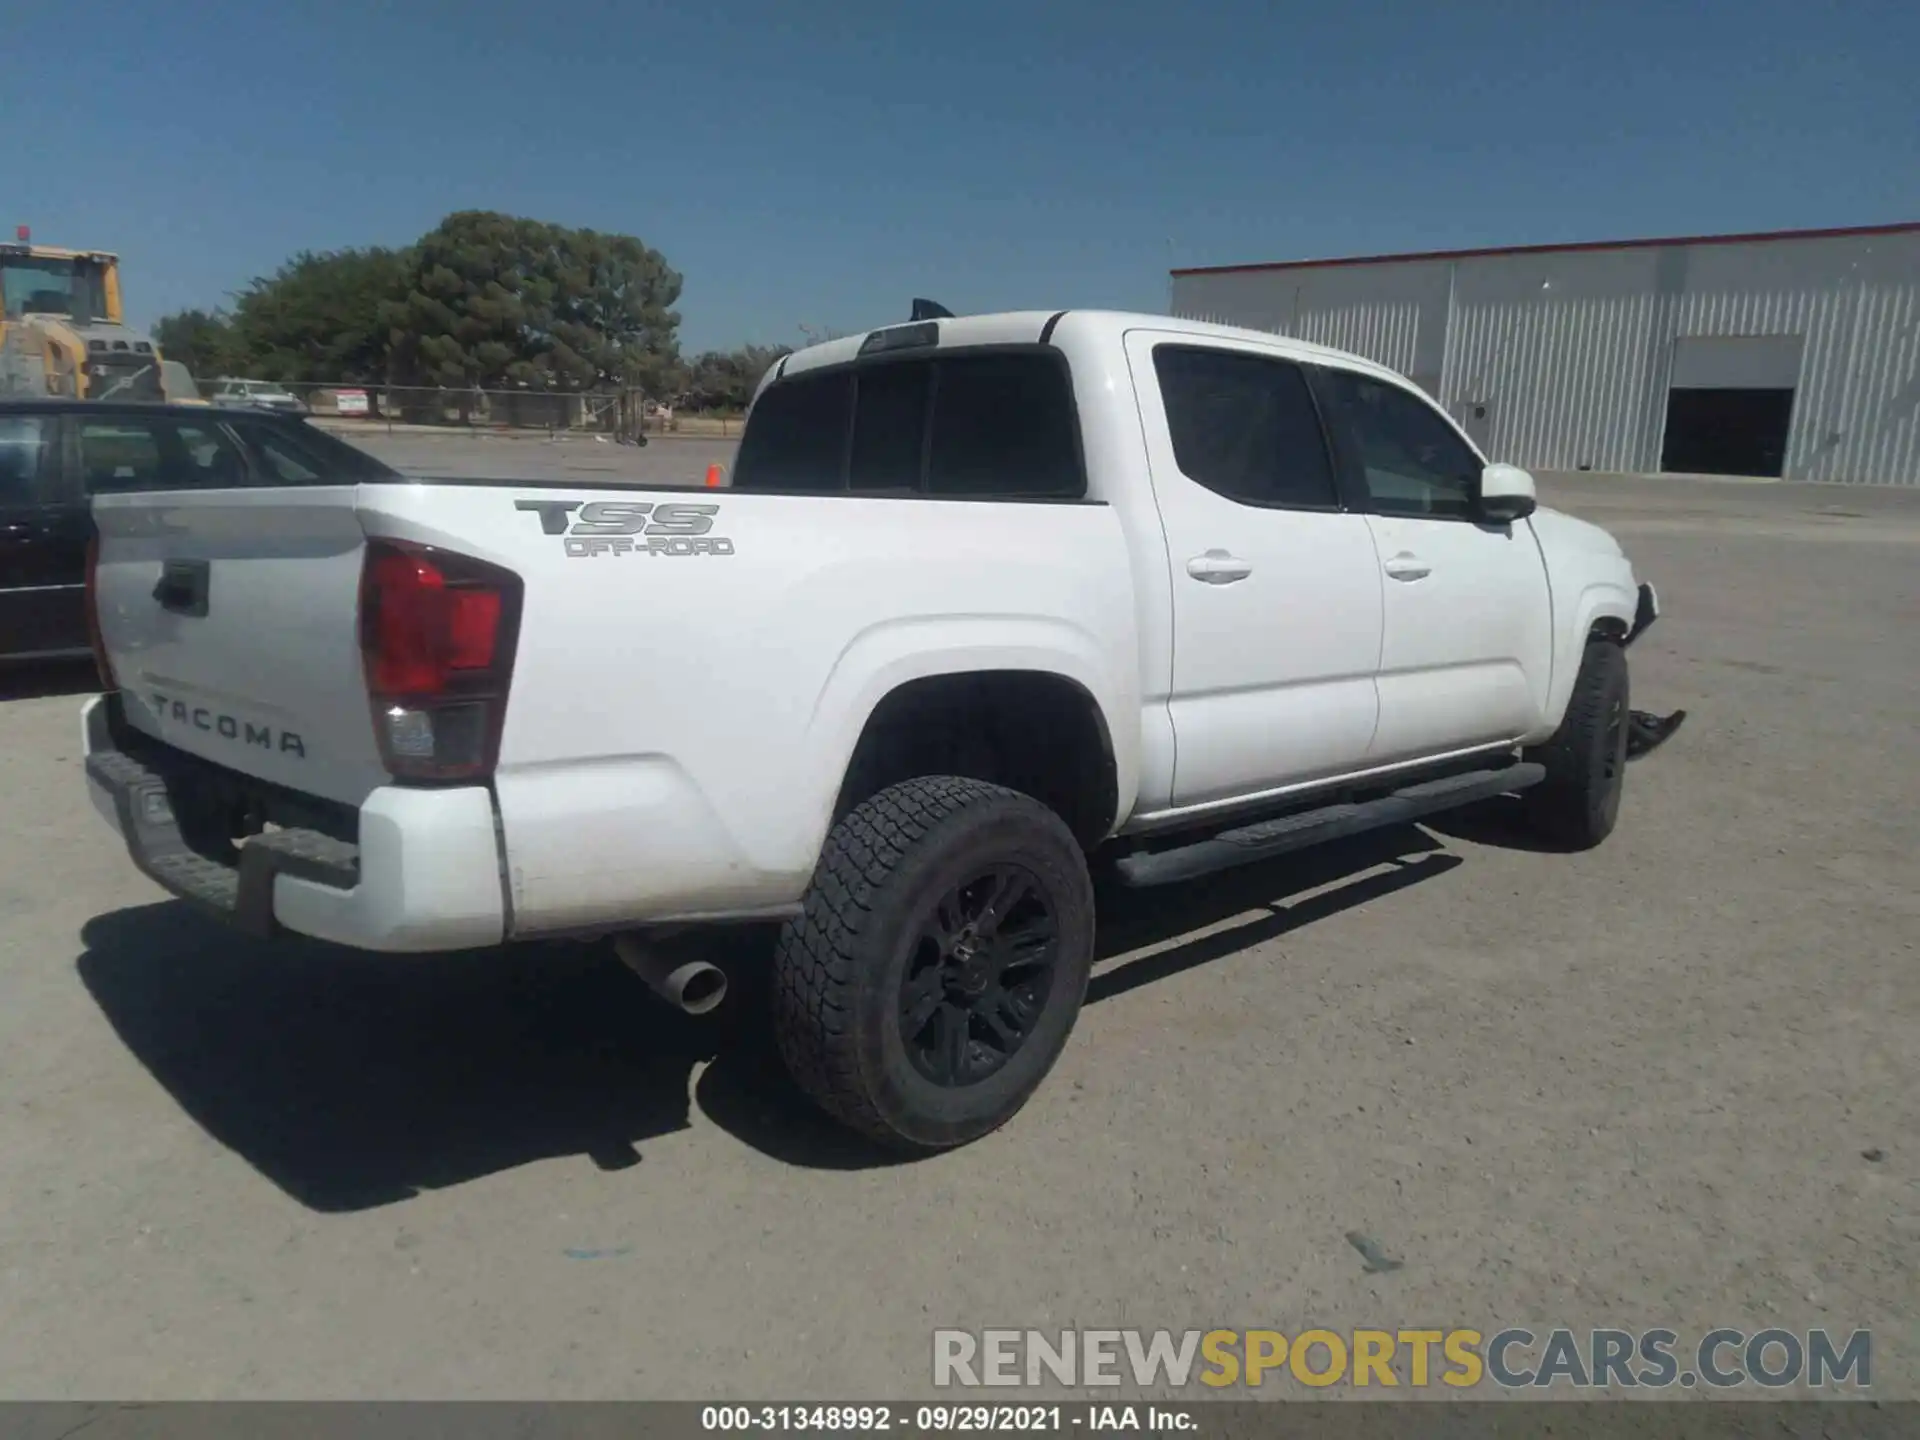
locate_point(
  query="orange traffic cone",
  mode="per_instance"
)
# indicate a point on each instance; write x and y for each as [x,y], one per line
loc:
[713,477]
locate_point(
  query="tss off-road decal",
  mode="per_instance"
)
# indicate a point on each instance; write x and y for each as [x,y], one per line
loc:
[629,527]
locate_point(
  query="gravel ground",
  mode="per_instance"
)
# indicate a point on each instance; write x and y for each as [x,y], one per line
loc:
[1639,1087]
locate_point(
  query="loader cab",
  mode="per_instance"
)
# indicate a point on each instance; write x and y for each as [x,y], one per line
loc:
[64,332]
[82,288]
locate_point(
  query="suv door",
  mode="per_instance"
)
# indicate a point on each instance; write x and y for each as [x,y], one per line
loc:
[1468,639]
[1276,591]
[43,542]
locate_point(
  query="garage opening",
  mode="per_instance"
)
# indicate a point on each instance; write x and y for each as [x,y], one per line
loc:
[1727,432]
[1730,405]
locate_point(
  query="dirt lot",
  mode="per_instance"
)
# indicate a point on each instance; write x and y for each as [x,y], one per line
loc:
[1637,1088]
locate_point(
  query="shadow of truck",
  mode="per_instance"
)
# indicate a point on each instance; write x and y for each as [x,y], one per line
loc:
[354,1080]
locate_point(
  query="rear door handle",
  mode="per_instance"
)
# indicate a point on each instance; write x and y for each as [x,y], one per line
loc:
[1405,566]
[1217,567]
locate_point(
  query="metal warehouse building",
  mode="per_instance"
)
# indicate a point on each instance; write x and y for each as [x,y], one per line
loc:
[1795,354]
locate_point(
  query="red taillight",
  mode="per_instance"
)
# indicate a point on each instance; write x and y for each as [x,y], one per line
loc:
[426,629]
[94,637]
[437,636]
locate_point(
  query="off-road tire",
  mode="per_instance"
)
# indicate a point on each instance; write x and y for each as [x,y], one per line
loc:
[839,968]
[1576,806]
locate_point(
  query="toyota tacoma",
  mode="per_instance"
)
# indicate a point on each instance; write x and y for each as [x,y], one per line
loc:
[988,598]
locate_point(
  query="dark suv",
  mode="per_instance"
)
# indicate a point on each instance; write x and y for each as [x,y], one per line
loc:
[55,455]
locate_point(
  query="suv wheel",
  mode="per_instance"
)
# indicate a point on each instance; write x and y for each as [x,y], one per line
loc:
[940,964]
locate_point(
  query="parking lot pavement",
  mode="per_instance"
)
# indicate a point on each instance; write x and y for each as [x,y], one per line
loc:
[1668,1083]
[580,458]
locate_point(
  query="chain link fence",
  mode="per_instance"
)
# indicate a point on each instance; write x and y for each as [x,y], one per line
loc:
[625,415]
[619,414]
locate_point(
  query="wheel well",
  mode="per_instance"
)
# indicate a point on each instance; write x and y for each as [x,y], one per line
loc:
[1032,731]
[1608,627]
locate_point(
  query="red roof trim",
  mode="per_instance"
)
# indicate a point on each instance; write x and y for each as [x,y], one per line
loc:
[1903,228]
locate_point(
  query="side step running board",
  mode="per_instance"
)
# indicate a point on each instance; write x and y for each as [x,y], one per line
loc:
[1252,843]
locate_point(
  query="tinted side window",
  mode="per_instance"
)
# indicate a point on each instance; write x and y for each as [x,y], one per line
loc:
[128,452]
[23,446]
[282,461]
[1004,425]
[796,437]
[1414,462]
[889,424]
[297,455]
[1245,427]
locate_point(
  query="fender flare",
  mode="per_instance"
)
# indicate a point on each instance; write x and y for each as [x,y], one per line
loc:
[884,657]
[1601,605]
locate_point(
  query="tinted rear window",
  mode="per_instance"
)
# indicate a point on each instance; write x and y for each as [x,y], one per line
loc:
[797,437]
[1245,427]
[991,424]
[1003,425]
[890,426]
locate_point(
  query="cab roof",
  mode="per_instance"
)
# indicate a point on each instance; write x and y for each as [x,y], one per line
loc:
[55,252]
[1030,327]
[67,404]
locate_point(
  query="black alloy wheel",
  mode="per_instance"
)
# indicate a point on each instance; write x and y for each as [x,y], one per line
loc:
[979,977]
[941,959]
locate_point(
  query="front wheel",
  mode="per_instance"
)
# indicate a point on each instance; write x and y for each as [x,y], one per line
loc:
[1578,803]
[940,964]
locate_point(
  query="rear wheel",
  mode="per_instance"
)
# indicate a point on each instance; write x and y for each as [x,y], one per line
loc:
[941,962]
[1578,803]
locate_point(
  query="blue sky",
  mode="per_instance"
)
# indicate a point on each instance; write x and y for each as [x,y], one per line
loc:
[820,164]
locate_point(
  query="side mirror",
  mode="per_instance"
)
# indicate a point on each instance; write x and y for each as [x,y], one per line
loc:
[1506,495]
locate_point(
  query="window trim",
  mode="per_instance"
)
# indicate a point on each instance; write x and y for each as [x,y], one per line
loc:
[1342,501]
[1353,466]
[932,355]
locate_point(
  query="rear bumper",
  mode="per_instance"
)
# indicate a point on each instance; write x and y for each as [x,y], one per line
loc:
[422,874]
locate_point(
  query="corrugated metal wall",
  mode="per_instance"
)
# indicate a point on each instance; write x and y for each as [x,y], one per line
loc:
[1571,352]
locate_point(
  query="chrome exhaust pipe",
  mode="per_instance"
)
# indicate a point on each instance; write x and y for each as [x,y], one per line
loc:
[691,986]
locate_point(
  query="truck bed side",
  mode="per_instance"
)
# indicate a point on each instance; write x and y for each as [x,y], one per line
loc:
[691,674]
[681,720]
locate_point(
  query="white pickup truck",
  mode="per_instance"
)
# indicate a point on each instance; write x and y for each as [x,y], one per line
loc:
[986,596]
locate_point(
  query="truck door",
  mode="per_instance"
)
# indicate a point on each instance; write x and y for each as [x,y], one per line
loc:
[1276,593]
[1469,640]
[43,542]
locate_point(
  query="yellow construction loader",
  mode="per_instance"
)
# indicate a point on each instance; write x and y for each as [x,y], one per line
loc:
[63,332]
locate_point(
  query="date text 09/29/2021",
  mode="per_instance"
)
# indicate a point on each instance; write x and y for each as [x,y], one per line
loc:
[946,1419]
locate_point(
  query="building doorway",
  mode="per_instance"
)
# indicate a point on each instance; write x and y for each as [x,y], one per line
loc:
[1727,432]
[1730,405]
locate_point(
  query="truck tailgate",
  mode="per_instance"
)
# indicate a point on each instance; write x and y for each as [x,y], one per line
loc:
[230,618]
